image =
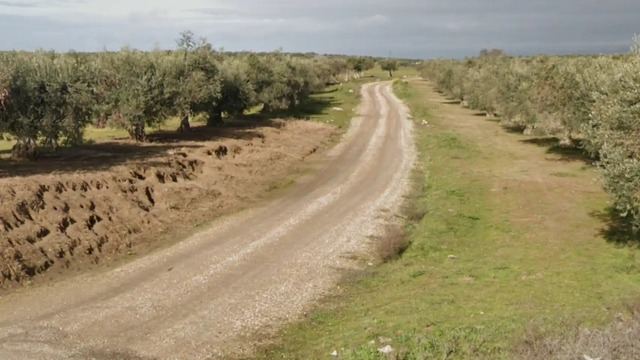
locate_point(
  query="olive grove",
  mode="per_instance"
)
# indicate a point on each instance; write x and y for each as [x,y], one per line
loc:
[587,102]
[47,99]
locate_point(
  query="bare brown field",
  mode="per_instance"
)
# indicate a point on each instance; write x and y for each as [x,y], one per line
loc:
[104,202]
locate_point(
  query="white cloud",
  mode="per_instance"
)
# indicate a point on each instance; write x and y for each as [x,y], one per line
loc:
[374,20]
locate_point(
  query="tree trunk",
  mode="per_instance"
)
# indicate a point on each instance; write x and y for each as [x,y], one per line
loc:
[567,140]
[185,125]
[390,73]
[101,121]
[51,144]
[137,132]
[24,149]
[215,118]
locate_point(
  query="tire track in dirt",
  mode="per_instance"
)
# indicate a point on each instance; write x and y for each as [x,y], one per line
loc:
[244,275]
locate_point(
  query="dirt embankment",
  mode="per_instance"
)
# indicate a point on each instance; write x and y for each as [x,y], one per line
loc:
[107,202]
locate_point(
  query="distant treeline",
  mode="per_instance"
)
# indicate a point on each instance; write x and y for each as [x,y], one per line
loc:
[48,98]
[588,102]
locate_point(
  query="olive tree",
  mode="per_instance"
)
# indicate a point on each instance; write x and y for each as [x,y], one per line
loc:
[193,82]
[269,76]
[193,78]
[78,103]
[360,64]
[390,66]
[236,93]
[136,93]
[615,129]
[46,99]
[22,116]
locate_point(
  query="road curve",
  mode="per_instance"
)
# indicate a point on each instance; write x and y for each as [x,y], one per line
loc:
[206,295]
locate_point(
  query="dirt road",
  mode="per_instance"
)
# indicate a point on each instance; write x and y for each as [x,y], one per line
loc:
[242,276]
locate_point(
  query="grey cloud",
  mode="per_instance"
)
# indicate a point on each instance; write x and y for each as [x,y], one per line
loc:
[36,4]
[19,4]
[407,28]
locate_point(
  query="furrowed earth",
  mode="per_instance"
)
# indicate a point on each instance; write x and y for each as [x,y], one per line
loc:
[109,201]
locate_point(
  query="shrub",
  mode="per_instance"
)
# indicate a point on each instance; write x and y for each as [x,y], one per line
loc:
[394,242]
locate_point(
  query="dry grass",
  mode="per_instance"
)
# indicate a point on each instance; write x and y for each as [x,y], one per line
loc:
[618,341]
[392,244]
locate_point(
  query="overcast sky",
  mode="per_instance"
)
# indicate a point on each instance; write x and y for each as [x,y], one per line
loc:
[401,28]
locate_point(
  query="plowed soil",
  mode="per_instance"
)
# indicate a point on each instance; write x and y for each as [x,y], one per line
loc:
[111,200]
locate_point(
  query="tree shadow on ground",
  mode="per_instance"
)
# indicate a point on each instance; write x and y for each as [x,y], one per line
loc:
[451,102]
[311,106]
[618,229]
[238,129]
[104,155]
[510,128]
[327,91]
[565,152]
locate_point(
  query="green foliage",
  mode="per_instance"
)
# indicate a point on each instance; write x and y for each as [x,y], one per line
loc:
[237,93]
[390,66]
[193,82]
[137,93]
[615,130]
[361,64]
[45,98]
[281,82]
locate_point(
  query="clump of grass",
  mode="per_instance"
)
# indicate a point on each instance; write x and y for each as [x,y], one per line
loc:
[393,244]
[620,341]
